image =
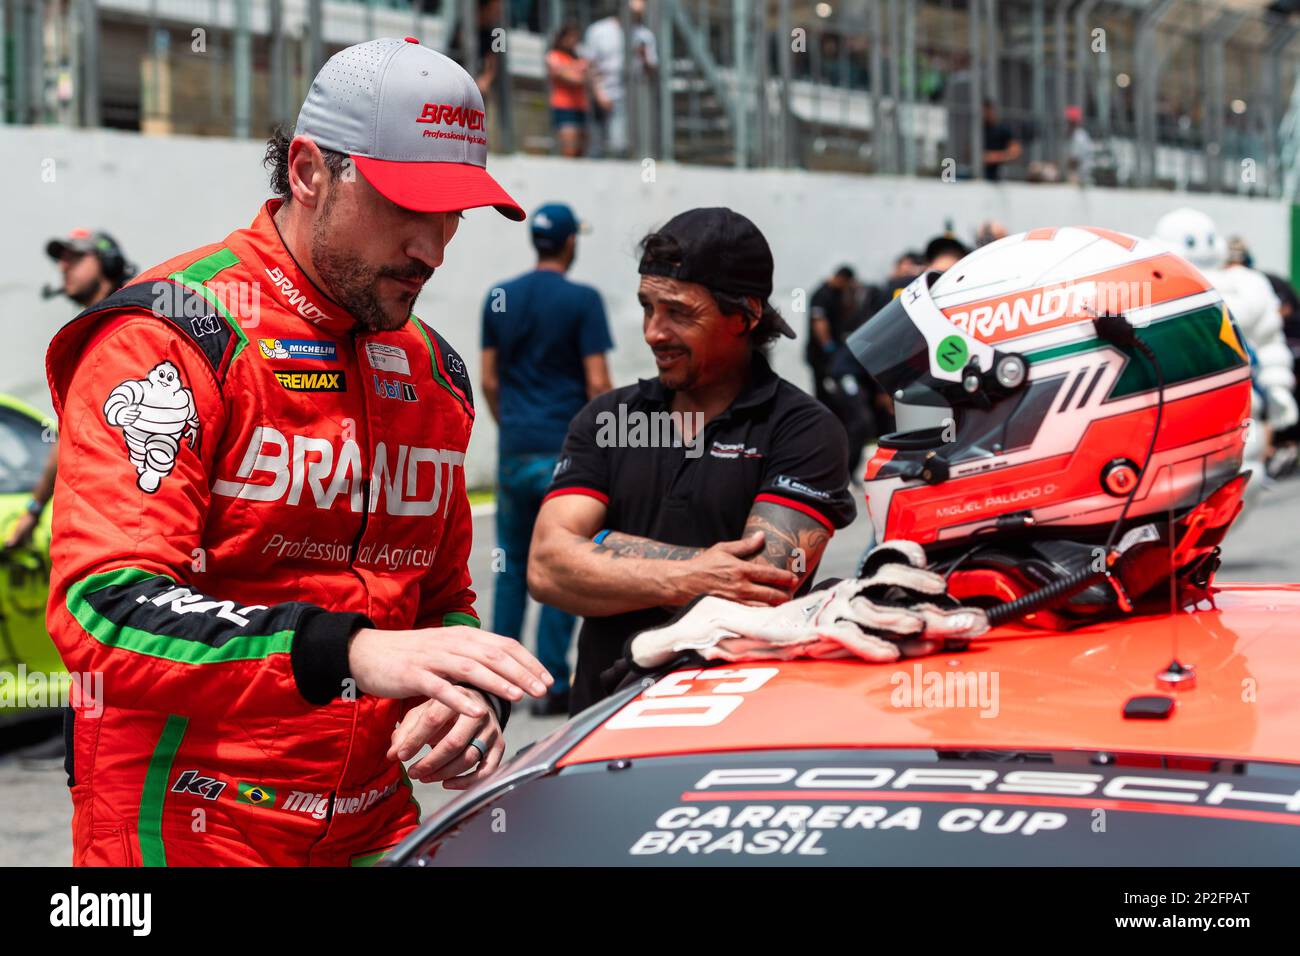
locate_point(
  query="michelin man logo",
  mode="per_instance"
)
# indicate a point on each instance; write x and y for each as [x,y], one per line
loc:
[275,350]
[155,414]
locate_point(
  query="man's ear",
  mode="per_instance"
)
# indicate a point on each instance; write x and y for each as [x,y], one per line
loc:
[307,173]
[755,314]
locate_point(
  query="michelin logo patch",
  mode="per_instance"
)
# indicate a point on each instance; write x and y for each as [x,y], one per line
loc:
[317,349]
[156,413]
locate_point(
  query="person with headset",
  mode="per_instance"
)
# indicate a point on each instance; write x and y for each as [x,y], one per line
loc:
[93,267]
[92,263]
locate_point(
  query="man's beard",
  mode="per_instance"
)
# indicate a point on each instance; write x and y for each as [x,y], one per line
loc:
[87,294]
[353,283]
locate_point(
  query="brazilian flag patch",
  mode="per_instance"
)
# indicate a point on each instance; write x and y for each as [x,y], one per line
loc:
[257,795]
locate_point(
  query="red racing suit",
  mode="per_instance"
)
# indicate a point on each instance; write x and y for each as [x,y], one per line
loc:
[245,478]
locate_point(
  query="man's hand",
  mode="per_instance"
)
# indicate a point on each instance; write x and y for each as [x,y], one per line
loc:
[23,529]
[431,661]
[451,734]
[727,569]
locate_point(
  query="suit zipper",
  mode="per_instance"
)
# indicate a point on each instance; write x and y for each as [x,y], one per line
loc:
[363,432]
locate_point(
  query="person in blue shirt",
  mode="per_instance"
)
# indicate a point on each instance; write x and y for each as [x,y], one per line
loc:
[544,344]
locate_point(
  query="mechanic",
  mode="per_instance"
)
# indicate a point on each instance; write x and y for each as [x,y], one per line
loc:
[93,267]
[742,501]
[261,526]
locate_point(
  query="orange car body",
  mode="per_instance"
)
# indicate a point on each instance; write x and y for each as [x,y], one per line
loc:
[1053,691]
[1029,748]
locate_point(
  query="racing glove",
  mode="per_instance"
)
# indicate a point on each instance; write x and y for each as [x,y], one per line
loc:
[896,609]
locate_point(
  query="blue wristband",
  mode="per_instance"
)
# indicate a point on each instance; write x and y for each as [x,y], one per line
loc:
[601,536]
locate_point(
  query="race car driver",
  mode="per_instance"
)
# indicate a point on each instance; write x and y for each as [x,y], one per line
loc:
[1071,409]
[743,499]
[263,550]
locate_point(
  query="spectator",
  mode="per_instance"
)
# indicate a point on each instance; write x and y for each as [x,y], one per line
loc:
[837,308]
[943,252]
[567,74]
[990,230]
[906,268]
[93,268]
[833,304]
[1001,145]
[1079,147]
[544,344]
[602,45]
[488,20]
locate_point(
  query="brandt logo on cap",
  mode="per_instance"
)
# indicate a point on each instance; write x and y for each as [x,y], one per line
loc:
[454,115]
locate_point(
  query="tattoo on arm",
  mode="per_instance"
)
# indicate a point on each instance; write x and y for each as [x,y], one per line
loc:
[619,545]
[791,539]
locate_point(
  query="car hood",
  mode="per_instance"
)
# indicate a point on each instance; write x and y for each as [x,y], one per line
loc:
[1014,689]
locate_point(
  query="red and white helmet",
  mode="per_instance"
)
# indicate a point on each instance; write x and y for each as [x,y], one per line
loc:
[1017,413]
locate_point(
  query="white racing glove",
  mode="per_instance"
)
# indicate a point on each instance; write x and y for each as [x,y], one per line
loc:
[897,609]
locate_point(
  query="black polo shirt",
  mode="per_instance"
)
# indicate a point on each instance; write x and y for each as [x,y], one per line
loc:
[774,443]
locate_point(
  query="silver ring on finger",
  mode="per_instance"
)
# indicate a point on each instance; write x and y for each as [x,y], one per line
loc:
[481,746]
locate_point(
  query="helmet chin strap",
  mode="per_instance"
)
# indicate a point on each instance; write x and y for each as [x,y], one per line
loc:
[1145,558]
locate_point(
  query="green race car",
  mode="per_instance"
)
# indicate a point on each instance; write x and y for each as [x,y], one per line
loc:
[30,666]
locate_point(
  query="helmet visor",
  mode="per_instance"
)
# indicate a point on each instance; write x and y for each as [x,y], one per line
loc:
[910,341]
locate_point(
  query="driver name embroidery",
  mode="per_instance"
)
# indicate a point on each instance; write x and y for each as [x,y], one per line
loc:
[155,414]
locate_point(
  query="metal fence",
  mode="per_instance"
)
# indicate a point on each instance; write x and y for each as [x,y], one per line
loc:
[1165,93]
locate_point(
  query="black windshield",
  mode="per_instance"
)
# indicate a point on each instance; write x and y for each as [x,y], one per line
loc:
[889,808]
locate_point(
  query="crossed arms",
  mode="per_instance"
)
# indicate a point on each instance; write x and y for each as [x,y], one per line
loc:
[779,549]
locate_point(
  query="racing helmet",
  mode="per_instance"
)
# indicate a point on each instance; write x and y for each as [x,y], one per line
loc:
[1028,381]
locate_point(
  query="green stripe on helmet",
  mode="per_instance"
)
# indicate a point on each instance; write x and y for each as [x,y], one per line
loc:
[1188,345]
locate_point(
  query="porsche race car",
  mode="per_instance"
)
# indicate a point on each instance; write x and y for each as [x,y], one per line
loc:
[1164,740]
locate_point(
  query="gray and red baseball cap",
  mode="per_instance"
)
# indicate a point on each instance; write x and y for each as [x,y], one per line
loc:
[412,121]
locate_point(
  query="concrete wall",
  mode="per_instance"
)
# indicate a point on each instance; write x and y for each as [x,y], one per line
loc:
[160,196]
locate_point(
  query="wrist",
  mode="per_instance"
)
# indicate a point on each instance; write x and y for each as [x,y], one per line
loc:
[35,506]
[671,591]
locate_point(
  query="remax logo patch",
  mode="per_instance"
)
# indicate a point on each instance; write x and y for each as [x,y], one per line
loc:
[312,381]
